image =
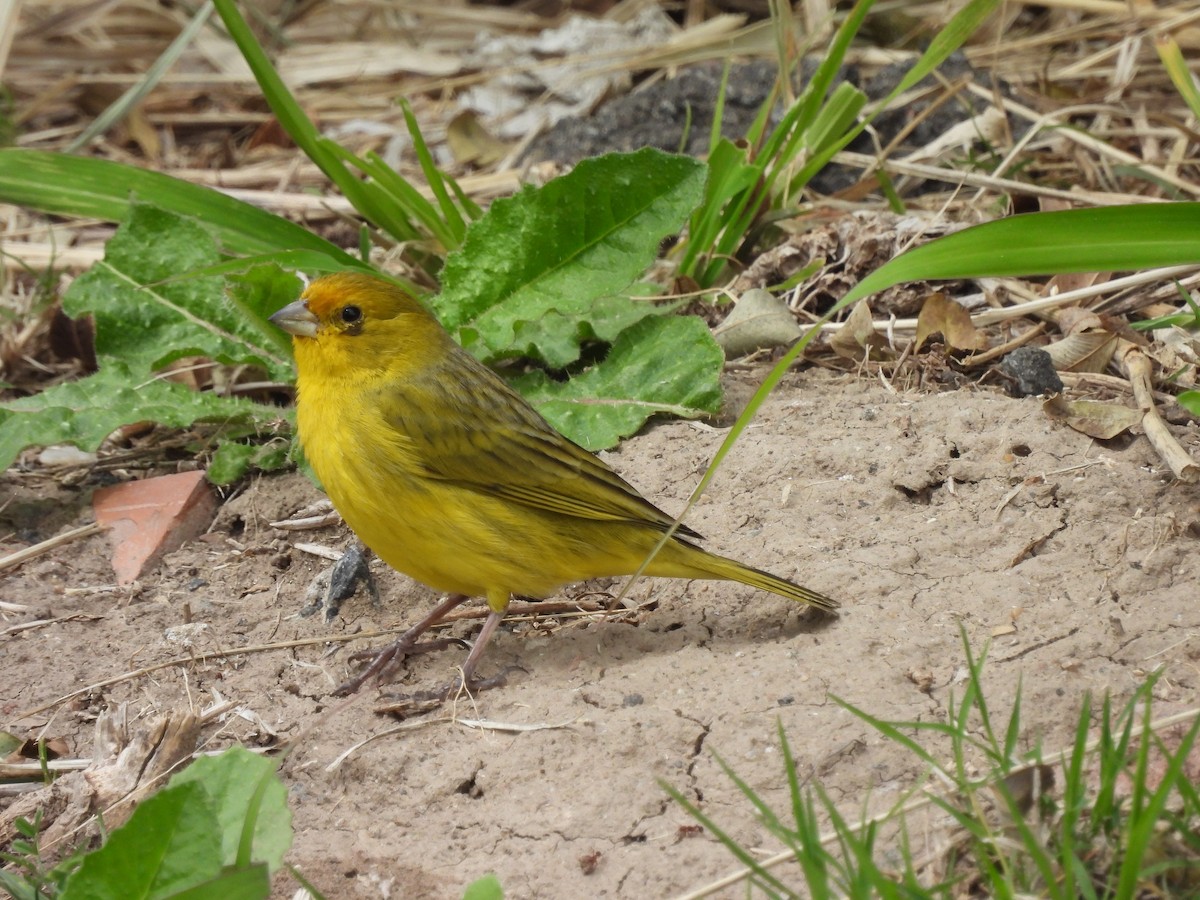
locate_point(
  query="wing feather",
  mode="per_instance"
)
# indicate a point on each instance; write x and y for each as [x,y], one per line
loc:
[477,432]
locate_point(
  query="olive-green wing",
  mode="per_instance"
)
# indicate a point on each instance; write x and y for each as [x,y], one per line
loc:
[472,429]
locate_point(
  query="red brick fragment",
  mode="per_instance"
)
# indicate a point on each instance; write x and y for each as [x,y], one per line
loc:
[152,517]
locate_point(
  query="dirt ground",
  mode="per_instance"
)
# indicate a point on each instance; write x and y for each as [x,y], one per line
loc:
[921,513]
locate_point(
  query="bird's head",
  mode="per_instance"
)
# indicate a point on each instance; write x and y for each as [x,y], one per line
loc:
[352,320]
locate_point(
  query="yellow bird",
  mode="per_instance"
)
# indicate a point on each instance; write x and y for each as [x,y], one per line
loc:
[451,477]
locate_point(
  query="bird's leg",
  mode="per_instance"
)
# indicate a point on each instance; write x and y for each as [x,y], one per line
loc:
[485,634]
[386,659]
[423,701]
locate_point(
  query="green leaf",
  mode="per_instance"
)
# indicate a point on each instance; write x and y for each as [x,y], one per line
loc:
[250,883]
[148,325]
[557,336]
[1190,400]
[666,365]
[231,780]
[85,412]
[260,292]
[79,186]
[538,264]
[486,888]
[169,843]
[231,461]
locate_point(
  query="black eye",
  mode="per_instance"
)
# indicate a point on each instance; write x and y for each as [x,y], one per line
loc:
[351,315]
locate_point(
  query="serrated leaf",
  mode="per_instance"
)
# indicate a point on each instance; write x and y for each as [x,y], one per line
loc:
[169,843]
[232,780]
[538,263]
[662,365]
[556,337]
[231,461]
[147,325]
[85,412]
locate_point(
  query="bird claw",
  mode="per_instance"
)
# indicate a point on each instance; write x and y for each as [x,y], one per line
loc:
[417,702]
[384,662]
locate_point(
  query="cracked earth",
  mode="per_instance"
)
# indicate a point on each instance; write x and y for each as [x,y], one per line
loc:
[924,514]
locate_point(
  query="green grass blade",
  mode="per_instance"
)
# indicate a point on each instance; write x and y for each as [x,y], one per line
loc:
[80,186]
[1076,240]
[451,224]
[1147,806]
[965,23]
[1178,71]
[740,853]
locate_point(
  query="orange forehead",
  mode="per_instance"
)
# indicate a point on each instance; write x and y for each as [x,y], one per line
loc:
[379,299]
[330,292]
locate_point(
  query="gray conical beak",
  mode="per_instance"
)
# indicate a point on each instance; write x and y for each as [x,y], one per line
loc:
[295,318]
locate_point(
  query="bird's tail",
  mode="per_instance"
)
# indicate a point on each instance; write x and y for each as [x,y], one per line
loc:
[719,567]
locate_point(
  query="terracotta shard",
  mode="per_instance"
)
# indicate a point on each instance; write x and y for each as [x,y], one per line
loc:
[149,518]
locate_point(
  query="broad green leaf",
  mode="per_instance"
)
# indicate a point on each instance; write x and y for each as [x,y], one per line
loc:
[79,186]
[232,780]
[250,883]
[665,365]
[147,324]
[556,337]
[538,263]
[170,843]
[262,291]
[231,461]
[85,412]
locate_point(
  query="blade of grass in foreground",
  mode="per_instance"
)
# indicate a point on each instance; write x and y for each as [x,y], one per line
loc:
[80,186]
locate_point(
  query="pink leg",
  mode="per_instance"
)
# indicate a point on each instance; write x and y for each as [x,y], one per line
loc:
[485,634]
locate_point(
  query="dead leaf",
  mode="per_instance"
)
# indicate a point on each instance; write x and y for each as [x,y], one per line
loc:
[1093,417]
[1088,351]
[471,143]
[1073,319]
[942,315]
[857,337]
[1064,282]
[758,320]
[1025,786]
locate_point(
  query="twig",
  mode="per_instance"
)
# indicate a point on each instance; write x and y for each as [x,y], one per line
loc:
[1137,368]
[15,559]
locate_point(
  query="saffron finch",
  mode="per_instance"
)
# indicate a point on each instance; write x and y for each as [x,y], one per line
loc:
[451,477]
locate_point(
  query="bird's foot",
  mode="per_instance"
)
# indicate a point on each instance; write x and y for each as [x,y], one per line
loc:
[417,702]
[383,663]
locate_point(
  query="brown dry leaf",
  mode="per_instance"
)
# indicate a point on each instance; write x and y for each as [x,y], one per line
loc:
[858,338]
[1088,351]
[1073,319]
[942,315]
[1074,281]
[758,320]
[1025,785]
[1092,417]
[1177,351]
[471,143]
